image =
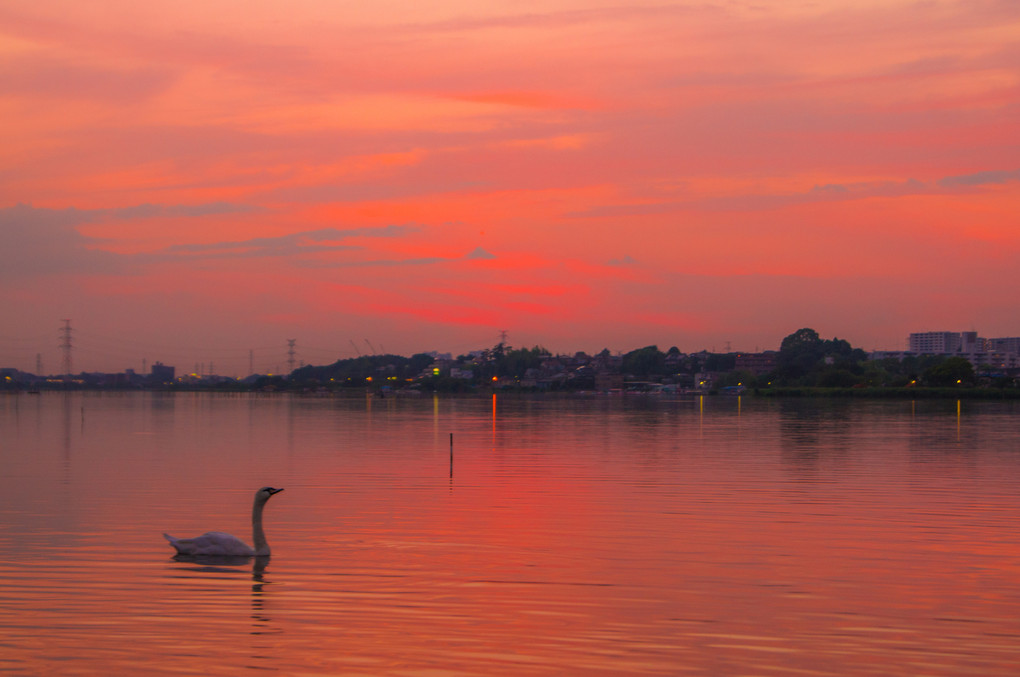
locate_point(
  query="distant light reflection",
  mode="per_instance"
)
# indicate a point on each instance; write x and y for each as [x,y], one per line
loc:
[493,421]
[701,416]
[958,420]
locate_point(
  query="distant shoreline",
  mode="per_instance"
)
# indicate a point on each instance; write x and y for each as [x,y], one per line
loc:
[917,393]
[887,393]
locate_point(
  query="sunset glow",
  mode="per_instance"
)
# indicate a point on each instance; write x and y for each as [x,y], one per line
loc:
[195,182]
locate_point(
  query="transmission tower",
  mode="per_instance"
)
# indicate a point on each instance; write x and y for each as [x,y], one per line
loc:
[65,345]
[502,337]
[291,352]
[38,364]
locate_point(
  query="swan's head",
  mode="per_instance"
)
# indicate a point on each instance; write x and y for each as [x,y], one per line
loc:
[264,494]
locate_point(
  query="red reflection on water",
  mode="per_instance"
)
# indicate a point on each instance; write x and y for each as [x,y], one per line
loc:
[607,538]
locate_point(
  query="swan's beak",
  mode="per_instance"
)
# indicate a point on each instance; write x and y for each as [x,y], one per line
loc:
[275,491]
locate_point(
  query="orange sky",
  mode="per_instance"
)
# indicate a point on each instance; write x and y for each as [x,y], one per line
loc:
[191,181]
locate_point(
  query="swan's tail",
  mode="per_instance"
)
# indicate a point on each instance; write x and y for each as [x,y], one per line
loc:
[179,544]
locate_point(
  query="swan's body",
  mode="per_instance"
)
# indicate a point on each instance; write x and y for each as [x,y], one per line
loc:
[219,544]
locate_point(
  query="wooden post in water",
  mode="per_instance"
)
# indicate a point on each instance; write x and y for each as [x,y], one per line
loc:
[451,454]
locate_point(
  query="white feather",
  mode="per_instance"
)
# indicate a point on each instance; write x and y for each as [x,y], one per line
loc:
[212,543]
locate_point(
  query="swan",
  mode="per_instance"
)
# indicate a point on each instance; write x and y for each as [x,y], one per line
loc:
[219,544]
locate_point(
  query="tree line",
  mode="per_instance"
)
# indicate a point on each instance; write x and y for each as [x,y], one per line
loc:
[804,360]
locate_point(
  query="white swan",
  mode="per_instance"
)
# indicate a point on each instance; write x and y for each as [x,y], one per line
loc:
[219,544]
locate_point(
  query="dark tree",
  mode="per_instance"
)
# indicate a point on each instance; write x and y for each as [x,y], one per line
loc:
[950,372]
[515,362]
[801,340]
[720,361]
[644,362]
[799,354]
[806,359]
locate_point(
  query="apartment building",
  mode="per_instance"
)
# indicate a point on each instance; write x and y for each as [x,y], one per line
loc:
[997,353]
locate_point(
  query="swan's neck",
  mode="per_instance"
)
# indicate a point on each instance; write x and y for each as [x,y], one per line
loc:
[258,536]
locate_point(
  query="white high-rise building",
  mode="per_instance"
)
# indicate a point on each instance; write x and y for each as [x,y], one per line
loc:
[935,342]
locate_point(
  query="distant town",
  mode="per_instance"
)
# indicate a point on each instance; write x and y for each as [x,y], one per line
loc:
[804,360]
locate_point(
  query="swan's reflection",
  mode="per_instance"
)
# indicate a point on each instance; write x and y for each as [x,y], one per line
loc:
[231,564]
[218,563]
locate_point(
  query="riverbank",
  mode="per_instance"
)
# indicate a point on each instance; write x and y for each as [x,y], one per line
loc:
[915,393]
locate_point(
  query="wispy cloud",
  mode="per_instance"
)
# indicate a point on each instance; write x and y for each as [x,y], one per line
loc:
[980,178]
[40,241]
[148,211]
[300,243]
[372,263]
[478,254]
[829,192]
[52,78]
[26,215]
[46,242]
[570,18]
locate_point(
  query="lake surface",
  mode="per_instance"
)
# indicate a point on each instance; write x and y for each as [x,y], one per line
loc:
[589,536]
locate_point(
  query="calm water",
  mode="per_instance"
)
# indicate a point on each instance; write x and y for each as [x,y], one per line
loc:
[576,536]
